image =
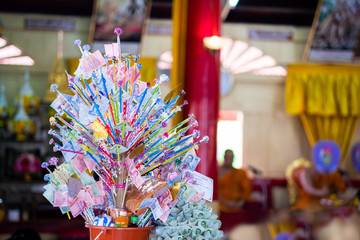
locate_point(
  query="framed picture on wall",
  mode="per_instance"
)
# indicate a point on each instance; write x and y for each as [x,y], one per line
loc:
[334,36]
[130,15]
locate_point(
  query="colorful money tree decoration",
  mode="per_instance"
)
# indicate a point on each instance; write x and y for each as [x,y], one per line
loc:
[119,149]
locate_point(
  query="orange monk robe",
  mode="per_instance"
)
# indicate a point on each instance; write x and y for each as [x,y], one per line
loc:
[334,181]
[233,187]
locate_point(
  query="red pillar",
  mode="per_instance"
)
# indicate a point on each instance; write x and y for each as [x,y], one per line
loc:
[202,74]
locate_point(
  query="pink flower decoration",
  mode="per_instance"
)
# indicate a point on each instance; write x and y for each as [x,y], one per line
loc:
[27,163]
[53,161]
[118,31]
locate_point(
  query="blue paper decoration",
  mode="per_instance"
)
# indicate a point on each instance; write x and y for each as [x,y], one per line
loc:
[326,156]
[284,236]
[356,157]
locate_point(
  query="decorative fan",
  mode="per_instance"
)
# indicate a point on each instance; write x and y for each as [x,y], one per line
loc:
[236,57]
[239,57]
[11,55]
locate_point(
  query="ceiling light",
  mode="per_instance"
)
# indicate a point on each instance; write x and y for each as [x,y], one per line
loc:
[10,51]
[2,42]
[23,61]
[212,43]
[233,3]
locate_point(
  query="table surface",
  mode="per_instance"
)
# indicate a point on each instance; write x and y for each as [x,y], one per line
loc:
[63,228]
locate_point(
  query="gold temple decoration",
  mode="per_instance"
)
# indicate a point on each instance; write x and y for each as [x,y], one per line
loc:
[57,73]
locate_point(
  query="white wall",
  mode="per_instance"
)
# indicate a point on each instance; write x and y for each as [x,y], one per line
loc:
[272,138]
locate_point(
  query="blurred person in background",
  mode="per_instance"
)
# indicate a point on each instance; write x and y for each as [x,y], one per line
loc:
[234,185]
[234,189]
[307,187]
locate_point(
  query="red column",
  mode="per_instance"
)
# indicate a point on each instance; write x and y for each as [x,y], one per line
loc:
[202,73]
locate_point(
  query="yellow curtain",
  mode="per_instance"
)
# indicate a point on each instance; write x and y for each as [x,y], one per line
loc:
[327,99]
[179,17]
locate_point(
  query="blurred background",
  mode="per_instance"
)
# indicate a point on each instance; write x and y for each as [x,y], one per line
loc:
[263,116]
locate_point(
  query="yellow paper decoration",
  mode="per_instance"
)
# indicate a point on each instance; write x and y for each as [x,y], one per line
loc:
[99,130]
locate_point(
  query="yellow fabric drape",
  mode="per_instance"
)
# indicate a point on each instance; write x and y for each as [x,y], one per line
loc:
[148,69]
[179,17]
[327,99]
[339,129]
